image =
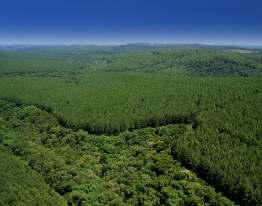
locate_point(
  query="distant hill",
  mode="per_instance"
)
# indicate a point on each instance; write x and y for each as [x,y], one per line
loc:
[196,59]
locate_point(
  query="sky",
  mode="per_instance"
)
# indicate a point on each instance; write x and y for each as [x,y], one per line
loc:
[230,22]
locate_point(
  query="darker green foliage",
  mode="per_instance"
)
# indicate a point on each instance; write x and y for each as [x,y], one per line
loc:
[197,62]
[133,168]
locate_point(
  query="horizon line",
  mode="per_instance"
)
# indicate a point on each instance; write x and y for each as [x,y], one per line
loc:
[258,46]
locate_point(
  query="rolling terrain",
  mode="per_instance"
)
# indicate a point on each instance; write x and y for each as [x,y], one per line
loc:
[131,125]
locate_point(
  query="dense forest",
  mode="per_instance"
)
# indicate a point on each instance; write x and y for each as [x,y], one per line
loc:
[130,125]
[197,61]
[128,169]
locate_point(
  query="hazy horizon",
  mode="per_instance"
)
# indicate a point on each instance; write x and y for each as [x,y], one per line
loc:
[259,46]
[63,38]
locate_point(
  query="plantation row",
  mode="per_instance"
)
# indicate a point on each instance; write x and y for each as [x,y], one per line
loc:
[109,103]
[113,102]
[75,168]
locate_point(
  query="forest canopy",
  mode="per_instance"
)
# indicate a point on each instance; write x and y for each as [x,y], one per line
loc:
[130,125]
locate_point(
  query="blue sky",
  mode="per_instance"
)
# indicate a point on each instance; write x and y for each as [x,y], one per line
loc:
[235,22]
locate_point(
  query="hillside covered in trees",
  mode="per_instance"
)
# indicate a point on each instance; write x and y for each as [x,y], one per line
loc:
[130,125]
[197,61]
